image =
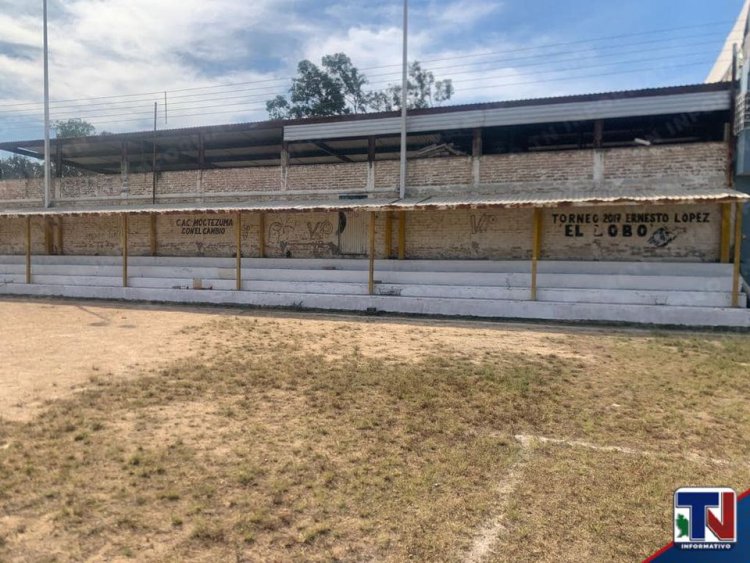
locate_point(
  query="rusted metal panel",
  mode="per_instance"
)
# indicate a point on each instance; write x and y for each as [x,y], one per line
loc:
[561,198]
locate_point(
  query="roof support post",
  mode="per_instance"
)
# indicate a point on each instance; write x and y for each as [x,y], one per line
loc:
[262,235]
[124,245]
[152,240]
[28,249]
[124,169]
[238,244]
[599,134]
[536,248]
[284,164]
[476,155]
[371,237]
[726,232]
[401,235]
[737,279]
[201,151]
[388,234]
[49,242]
[371,148]
[60,231]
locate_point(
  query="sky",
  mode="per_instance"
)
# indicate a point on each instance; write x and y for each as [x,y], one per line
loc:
[220,60]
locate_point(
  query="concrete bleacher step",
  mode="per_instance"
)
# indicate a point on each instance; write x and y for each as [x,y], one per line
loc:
[454,266]
[480,308]
[431,287]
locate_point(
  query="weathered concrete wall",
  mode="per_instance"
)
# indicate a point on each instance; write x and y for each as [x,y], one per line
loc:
[687,233]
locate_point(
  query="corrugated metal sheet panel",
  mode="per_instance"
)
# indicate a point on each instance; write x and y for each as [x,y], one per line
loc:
[574,197]
[522,115]
[631,196]
[279,206]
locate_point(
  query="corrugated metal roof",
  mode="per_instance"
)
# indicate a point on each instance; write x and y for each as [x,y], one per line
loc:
[260,125]
[257,206]
[560,198]
[605,108]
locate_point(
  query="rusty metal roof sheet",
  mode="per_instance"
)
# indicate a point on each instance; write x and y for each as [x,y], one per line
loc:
[253,206]
[593,197]
[549,198]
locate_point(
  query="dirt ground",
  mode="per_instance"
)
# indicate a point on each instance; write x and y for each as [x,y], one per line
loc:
[50,349]
[153,433]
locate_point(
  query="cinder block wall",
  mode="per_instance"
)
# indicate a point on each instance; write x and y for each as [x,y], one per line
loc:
[593,234]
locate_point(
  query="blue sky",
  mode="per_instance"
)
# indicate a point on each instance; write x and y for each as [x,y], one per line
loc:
[220,60]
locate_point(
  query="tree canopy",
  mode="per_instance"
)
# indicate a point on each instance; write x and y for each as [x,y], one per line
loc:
[337,87]
[73,128]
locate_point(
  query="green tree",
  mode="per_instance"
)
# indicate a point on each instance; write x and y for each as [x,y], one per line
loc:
[337,87]
[19,167]
[73,128]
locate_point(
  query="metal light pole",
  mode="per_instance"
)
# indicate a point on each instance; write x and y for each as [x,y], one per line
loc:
[404,100]
[47,199]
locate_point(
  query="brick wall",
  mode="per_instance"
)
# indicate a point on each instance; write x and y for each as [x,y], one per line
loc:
[702,164]
[558,167]
[696,164]
[31,189]
[686,233]
[340,177]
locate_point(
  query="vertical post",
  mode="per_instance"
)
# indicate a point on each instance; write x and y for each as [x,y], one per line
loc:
[58,158]
[726,232]
[536,248]
[388,234]
[262,235]
[28,249]
[49,242]
[404,101]
[737,279]
[284,164]
[401,235]
[47,163]
[598,133]
[476,155]
[124,250]
[731,140]
[124,169]
[153,161]
[201,152]
[371,276]
[60,230]
[238,267]
[152,234]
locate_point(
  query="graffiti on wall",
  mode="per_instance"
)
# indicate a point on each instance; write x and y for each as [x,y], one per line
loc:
[312,238]
[655,229]
[481,223]
[201,226]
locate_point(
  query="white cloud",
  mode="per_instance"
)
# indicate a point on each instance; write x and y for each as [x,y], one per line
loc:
[102,48]
[463,13]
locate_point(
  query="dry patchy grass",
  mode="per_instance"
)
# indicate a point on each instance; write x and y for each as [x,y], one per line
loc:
[275,443]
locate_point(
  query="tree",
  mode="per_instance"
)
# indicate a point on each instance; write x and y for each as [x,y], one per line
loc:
[73,128]
[19,167]
[338,88]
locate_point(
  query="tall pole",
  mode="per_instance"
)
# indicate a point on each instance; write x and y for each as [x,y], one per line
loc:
[404,100]
[46,114]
